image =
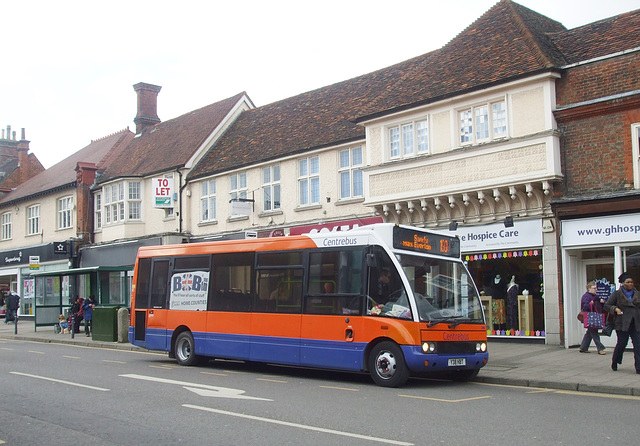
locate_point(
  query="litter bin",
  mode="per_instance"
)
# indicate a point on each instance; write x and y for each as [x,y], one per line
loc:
[105,324]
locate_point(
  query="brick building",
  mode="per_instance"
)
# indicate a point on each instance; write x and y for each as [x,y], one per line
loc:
[597,206]
[17,165]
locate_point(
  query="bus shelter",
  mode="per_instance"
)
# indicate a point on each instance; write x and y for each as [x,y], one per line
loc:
[54,290]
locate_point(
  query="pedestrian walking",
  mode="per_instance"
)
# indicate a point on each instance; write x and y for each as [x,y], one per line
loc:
[592,303]
[12,302]
[624,303]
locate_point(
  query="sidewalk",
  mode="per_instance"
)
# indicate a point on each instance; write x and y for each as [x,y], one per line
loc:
[518,364]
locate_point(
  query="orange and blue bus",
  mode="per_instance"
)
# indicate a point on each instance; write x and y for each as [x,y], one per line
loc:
[385,299]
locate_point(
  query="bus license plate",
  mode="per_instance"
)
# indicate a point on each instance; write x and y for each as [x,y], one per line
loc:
[457,362]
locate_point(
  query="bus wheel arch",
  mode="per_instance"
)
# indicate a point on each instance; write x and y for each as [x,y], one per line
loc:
[386,364]
[184,349]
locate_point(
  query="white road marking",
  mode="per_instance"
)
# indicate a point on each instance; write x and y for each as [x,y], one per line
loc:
[200,389]
[297,425]
[101,389]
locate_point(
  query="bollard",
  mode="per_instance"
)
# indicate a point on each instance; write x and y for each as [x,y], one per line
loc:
[123,325]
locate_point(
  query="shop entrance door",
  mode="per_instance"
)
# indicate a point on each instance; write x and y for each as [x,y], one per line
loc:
[598,270]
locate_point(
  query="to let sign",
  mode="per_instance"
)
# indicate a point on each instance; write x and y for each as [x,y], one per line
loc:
[162,192]
[34,262]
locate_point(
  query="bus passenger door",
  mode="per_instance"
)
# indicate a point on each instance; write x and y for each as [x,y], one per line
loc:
[332,335]
[157,335]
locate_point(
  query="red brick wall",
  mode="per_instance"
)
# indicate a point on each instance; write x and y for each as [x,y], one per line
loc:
[599,79]
[596,138]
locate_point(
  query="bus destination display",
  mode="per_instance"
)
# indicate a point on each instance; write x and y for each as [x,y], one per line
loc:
[404,238]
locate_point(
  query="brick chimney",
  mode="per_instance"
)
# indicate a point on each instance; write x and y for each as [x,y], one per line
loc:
[23,158]
[147,106]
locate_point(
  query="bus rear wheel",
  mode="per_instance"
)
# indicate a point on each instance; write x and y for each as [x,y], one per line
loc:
[387,366]
[185,349]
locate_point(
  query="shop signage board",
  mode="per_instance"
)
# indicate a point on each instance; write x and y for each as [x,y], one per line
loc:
[601,230]
[495,237]
[344,225]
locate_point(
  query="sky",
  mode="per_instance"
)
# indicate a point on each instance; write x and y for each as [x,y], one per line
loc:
[67,68]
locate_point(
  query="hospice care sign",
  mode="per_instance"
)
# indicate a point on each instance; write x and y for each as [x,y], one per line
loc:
[189,291]
[524,233]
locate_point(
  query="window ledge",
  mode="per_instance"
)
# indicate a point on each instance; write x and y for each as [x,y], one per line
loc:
[270,213]
[237,218]
[208,223]
[308,208]
[346,201]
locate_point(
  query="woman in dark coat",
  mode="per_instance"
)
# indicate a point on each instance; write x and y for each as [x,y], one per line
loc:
[624,303]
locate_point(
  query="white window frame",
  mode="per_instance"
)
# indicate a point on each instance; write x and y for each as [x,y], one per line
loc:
[33,219]
[208,201]
[407,139]
[471,120]
[635,150]
[134,200]
[7,227]
[271,190]
[65,214]
[237,189]
[309,181]
[119,206]
[350,175]
[97,211]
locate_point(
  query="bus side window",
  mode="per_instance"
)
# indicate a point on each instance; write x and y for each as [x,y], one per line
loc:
[231,288]
[335,282]
[279,291]
[384,281]
[159,281]
[143,283]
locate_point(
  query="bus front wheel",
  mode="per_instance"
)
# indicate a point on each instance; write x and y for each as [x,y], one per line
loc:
[387,366]
[185,349]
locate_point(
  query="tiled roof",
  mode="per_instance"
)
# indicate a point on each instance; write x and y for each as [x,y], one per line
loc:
[169,144]
[63,174]
[296,124]
[328,115]
[506,43]
[600,38]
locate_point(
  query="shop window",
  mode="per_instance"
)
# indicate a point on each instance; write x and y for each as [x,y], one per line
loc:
[512,290]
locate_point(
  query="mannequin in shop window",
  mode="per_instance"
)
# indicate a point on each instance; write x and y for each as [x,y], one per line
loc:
[512,304]
[498,292]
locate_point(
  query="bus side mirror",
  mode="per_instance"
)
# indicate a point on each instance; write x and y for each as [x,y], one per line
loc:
[371,260]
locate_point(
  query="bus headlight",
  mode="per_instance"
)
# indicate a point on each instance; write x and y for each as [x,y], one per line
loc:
[481,347]
[428,347]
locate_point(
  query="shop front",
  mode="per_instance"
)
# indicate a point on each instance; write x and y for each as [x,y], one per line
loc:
[54,291]
[17,266]
[114,264]
[507,265]
[596,249]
